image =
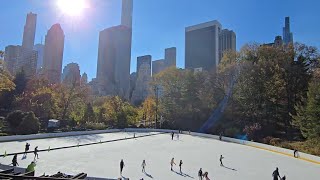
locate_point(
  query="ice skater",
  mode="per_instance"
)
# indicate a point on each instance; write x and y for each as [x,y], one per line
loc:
[283,178]
[205,175]
[172,163]
[295,153]
[26,149]
[200,174]
[276,174]
[15,161]
[31,167]
[143,165]
[121,166]
[177,136]
[220,136]
[36,152]
[172,134]
[221,157]
[180,164]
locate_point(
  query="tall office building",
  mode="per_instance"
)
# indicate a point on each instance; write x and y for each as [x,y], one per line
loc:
[142,60]
[287,34]
[53,54]
[227,42]
[40,50]
[71,74]
[202,45]
[84,79]
[114,55]
[158,66]
[170,56]
[11,55]
[143,80]
[27,61]
[29,31]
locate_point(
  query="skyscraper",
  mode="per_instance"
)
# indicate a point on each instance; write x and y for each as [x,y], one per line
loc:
[143,59]
[53,54]
[202,45]
[40,50]
[29,31]
[143,80]
[71,74]
[158,66]
[287,34]
[27,61]
[227,41]
[84,79]
[114,55]
[170,56]
[11,55]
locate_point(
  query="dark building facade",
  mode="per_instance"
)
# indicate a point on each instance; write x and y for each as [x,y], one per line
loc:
[202,46]
[227,42]
[53,54]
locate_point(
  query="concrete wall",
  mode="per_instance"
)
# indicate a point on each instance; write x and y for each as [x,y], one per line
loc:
[283,151]
[54,135]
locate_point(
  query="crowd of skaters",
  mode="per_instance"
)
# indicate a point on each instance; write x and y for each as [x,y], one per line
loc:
[202,175]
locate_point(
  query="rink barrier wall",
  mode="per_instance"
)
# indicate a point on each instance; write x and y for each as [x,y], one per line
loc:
[274,149]
[54,135]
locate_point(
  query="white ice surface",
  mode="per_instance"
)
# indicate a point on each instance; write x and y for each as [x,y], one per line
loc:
[102,160]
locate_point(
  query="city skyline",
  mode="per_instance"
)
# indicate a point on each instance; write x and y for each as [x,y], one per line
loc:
[142,34]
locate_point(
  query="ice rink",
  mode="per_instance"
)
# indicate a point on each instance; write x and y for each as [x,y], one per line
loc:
[102,160]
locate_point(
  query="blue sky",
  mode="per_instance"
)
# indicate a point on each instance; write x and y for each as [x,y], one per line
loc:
[158,24]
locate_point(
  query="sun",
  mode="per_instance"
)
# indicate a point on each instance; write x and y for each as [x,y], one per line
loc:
[72,7]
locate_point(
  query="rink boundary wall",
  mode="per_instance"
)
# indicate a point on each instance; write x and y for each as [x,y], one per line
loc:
[54,135]
[274,149]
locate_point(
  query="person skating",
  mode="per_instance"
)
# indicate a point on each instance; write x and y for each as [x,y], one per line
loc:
[177,136]
[221,157]
[26,149]
[143,165]
[172,134]
[205,175]
[283,178]
[15,161]
[31,167]
[121,166]
[200,174]
[276,174]
[172,163]
[36,152]
[295,153]
[180,164]
[220,136]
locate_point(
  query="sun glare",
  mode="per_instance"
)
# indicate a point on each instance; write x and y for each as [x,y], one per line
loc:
[72,7]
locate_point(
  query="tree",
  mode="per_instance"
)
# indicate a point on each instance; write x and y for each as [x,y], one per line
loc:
[39,97]
[89,115]
[307,118]
[6,83]
[23,123]
[29,124]
[14,119]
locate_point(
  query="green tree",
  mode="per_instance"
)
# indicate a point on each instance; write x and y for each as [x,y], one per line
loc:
[29,124]
[14,119]
[307,118]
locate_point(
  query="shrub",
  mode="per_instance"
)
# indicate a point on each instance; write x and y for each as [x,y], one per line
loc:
[267,139]
[95,126]
[14,119]
[232,132]
[275,141]
[23,123]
